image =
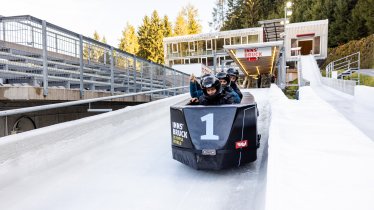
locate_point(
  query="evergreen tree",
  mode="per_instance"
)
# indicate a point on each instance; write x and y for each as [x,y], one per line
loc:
[91,51]
[103,40]
[157,35]
[338,28]
[249,13]
[129,40]
[218,15]
[191,14]
[168,31]
[144,38]
[151,35]
[232,16]
[180,27]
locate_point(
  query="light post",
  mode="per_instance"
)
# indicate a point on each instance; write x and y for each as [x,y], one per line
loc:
[287,13]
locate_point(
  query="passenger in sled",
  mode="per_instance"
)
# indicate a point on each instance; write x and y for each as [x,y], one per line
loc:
[225,81]
[234,74]
[213,93]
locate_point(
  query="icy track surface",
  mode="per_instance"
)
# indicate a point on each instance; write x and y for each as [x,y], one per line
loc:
[132,170]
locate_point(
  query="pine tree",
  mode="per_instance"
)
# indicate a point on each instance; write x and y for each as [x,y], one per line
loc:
[218,15]
[157,35]
[249,13]
[144,38]
[91,51]
[168,31]
[191,14]
[232,16]
[180,27]
[151,35]
[338,28]
[129,40]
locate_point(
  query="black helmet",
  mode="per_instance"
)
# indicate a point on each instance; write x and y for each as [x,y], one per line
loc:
[223,76]
[233,72]
[211,81]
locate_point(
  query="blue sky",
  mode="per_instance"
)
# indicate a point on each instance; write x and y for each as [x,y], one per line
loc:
[106,17]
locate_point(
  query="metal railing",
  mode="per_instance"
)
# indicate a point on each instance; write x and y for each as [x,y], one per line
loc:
[39,53]
[344,67]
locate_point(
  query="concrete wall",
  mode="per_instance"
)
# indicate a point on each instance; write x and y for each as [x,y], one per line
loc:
[346,86]
[59,94]
[56,141]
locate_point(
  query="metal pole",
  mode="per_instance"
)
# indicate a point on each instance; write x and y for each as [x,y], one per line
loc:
[164,80]
[358,68]
[81,85]
[135,74]
[6,125]
[128,75]
[174,81]
[45,64]
[56,43]
[215,63]
[151,77]
[4,30]
[32,37]
[111,71]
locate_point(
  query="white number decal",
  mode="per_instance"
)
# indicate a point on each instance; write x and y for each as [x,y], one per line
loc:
[209,128]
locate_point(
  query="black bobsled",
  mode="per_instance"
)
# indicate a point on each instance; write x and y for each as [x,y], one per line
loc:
[215,137]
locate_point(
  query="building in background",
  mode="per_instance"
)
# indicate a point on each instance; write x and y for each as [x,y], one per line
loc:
[255,51]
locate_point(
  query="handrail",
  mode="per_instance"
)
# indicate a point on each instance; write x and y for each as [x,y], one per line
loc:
[346,63]
[76,35]
[72,103]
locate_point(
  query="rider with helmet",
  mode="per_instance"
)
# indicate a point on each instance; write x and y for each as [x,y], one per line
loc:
[234,74]
[225,81]
[213,93]
[195,87]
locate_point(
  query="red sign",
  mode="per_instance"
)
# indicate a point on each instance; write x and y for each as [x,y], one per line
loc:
[241,144]
[249,53]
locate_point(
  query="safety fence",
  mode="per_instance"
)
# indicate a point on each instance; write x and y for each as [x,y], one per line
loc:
[34,52]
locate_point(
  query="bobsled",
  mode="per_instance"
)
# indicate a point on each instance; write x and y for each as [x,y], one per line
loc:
[215,137]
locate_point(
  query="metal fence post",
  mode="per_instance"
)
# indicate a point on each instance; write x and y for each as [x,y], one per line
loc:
[111,71]
[215,63]
[358,67]
[45,64]
[4,30]
[56,43]
[128,75]
[135,74]
[151,77]
[81,85]
[32,37]
[164,80]
[174,81]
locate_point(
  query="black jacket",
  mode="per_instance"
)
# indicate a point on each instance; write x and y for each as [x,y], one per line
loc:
[221,98]
[236,89]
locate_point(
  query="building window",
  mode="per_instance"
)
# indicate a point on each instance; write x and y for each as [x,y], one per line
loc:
[227,41]
[317,44]
[236,40]
[208,44]
[175,48]
[177,61]
[201,46]
[210,61]
[219,44]
[244,40]
[252,39]
[194,60]
[191,46]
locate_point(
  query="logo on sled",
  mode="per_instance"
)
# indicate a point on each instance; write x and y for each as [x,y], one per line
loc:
[241,144]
